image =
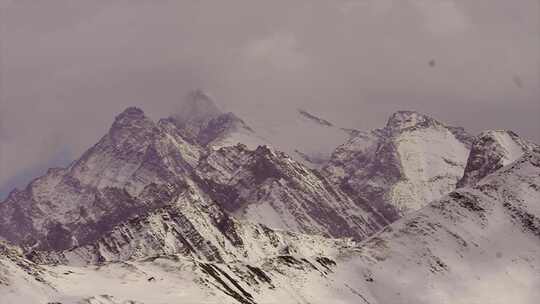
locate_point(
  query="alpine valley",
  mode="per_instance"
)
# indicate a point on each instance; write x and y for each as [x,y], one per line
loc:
[200,207]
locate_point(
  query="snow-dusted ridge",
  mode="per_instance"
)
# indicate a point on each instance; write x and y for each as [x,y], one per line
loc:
[181,210]
[269,187]
[479,244]
[140,166]
[476,245]
[492,150]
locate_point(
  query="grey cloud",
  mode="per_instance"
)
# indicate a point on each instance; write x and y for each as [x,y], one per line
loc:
[68,67]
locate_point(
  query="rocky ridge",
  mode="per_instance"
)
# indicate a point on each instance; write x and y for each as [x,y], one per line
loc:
[492,150]
[450,244]
[184,202]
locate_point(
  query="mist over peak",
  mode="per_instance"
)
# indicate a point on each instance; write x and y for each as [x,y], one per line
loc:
[196,106]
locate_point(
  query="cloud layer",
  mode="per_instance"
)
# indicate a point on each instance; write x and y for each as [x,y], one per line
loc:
[67,67]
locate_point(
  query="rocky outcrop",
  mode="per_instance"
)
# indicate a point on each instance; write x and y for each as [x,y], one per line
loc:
[269,187]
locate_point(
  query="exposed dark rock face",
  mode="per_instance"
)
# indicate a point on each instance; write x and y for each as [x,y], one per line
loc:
[248,182]
[491,151]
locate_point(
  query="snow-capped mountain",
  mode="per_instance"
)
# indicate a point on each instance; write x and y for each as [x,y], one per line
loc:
[140,166]
[136,167]
[491,151]
[199,208]
[476,245]
[479,244]
[413,160]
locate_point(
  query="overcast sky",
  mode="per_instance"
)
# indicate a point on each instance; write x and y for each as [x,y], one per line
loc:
[68,67]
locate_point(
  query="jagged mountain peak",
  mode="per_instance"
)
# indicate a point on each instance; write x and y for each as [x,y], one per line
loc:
[494,134]
[492,150]
[200,121]
[402,120]
[507,141]
[132,126]
[131,111]
[503,139]
[134,168]
[265,150]
[413,160]
[129,117]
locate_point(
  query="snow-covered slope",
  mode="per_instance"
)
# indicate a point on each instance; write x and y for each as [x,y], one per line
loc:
[478,244]
[21,281]
[174,279]
[491,151]
[401,168]
[179,211]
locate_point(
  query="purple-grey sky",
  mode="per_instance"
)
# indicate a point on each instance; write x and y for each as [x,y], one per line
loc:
[68,67]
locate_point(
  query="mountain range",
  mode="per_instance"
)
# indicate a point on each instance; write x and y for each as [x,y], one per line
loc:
[200,207]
